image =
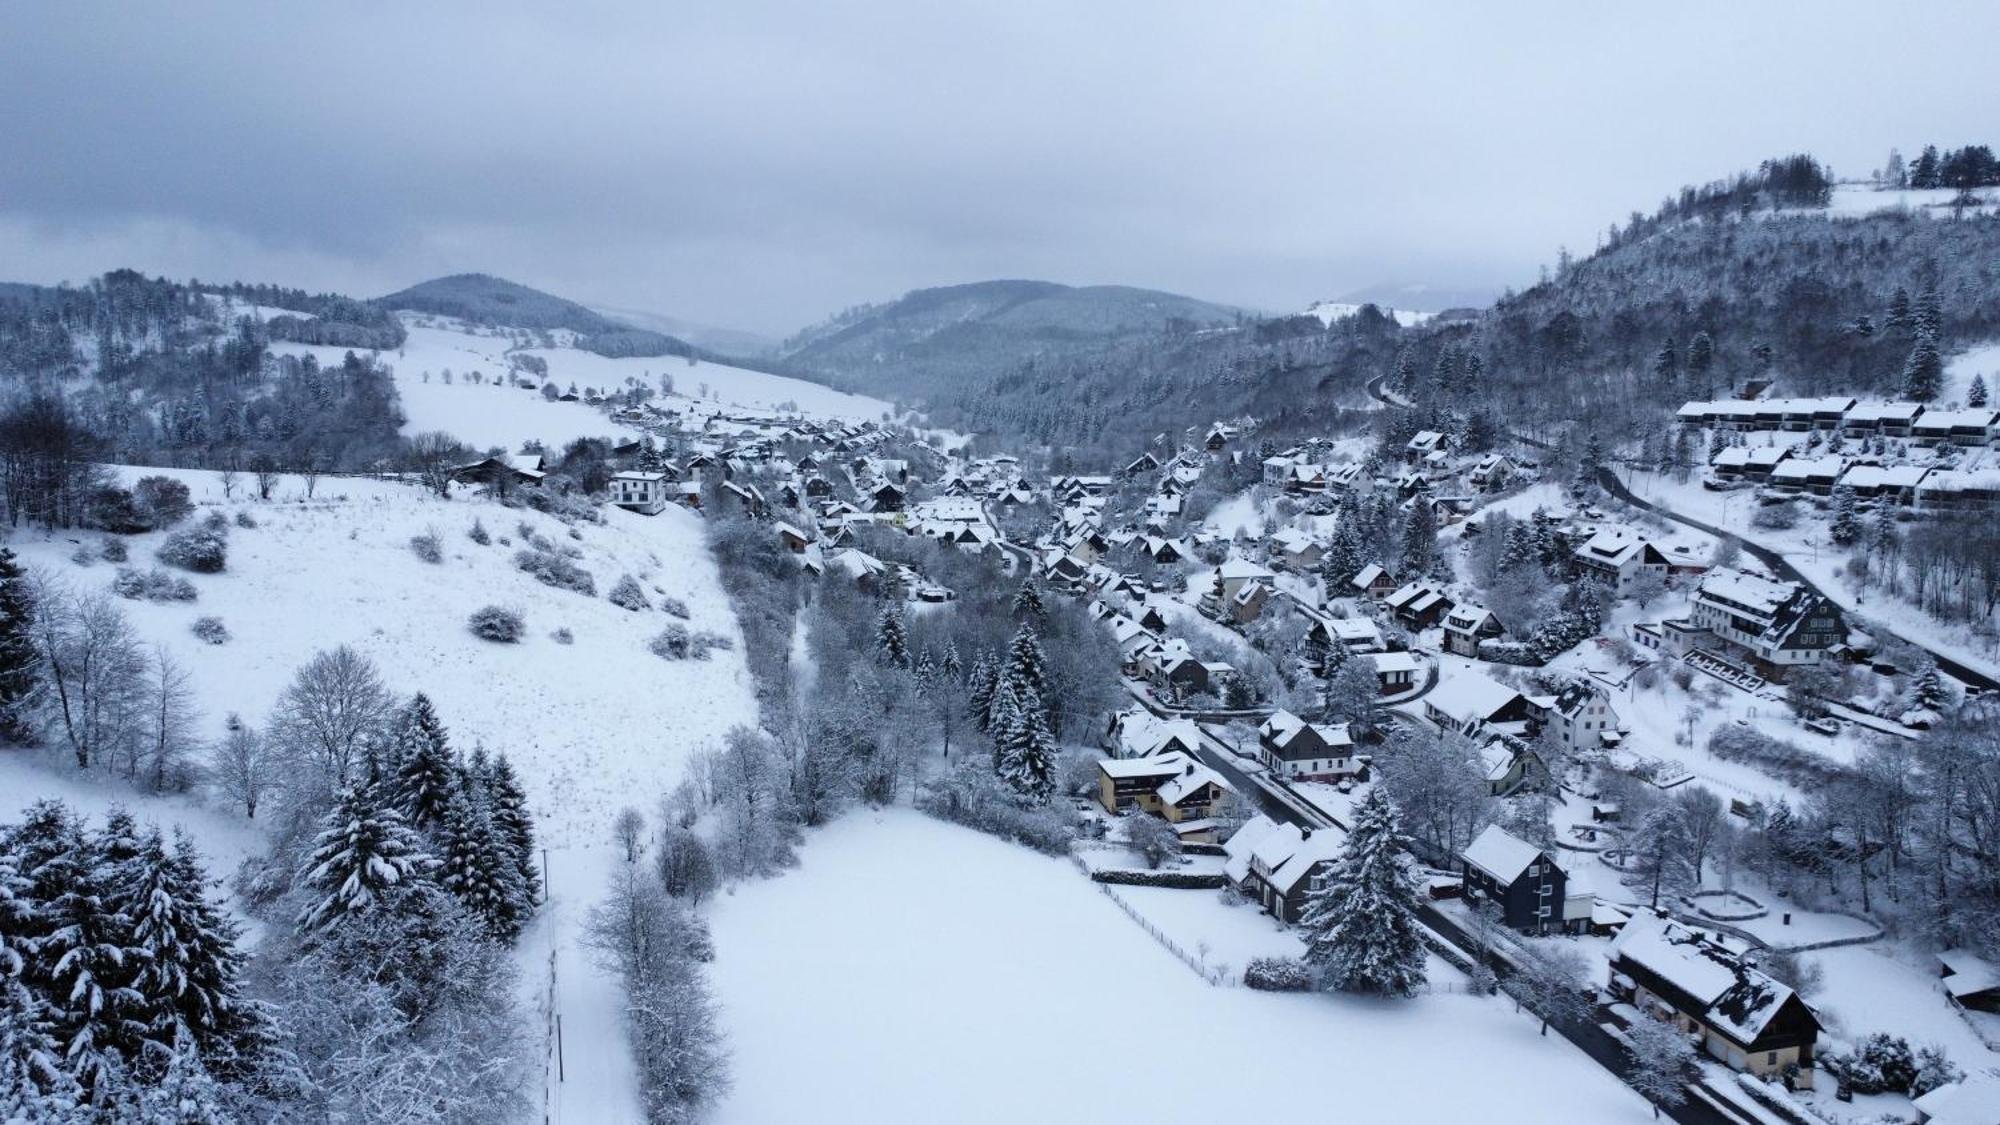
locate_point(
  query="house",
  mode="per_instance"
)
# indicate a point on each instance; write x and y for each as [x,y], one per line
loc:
[1425,443]
[1174,668]
[1970,980]
[502,472]
[1239,592]
[1396,672]
[1172,786]
[1815,475]
[1373,581]
[745,497]
[1280,865]
[1511,763]
[1138,733]
[1300,751]
[1474,705]
[1355,634]
[1969,1101]
[792,539]
[1144,463]
[1294,550]
[1775,625]
[1744,1017]
[641,492]
[1418,605]
[1525,882]
[1976,426]
[1960,489]
[1618,558]
[1466,625]
[1491,472]
[1580,716]
[1897,484]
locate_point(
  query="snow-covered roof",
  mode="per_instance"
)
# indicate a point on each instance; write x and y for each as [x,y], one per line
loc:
[1613,546]
[1884,476]
[1737,999]
[1501,854]
[1239,847]
[1368,575]
[1470,696]
[1233,569]
[1323,846]
[1971,1101]
[1969,973]
[1761,595]
[1283,726]
[1465,617]
[1159,765]
[1387,662]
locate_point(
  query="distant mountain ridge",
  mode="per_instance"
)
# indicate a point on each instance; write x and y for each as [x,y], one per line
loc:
[932,339]
[483,299]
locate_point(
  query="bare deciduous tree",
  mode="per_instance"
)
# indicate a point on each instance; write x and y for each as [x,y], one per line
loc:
[333,706]
[171,716]
[243,767]
[96,674]
[432,456]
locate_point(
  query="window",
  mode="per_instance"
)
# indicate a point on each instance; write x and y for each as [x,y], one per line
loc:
[1535,869]
[1771,1058]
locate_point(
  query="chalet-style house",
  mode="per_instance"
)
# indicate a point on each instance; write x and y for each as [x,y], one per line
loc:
[641,492]
[1138,733]
[744,497]
[1172,786]
[1617,558]
[1279,865]
[1467,625]
[1425,443]
[1373,581]
[792,539]
[1300,751]
[887,497]
[1395,672]
[1355,634]
[1746,1019]
[1970,980]
[1968,1101]
[1294,550]
[1474,705]
[1580,715]
[516,469]
[1418,605]
[1491,473]
[1526,883]
[1775,626]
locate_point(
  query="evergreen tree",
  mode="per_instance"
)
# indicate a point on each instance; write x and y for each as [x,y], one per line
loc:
[953,666]
[1975,396]
[1845,525]
[1360,923]
[1420,538]
[1898,314]
[29,1061]
[1929,314]
[189,971]
[364,851]
[78,956]
[1027,673]
[892,642]
[1025,754]
[476,865]
[1001,712]
[1928,171]
[515,825]
[1923,373]
[20,659]
[1590,466]
[979,692]
[427,773]
[1028,604]
[1700,361]
[1666,364]
[1343,559]
[1927,693]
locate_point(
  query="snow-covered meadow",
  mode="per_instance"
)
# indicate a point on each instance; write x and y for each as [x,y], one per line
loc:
[911,970]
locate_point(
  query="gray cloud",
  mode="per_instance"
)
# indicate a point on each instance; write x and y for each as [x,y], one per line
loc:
[763,164]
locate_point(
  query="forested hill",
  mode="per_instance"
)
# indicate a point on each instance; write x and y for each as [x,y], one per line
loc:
[1773,274]
[480,299]
[933,343]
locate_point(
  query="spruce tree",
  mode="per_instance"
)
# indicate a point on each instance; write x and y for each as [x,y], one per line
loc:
[1001,711]
[78,960]
[20,659]
[1927,693]
[515,825]
[365,851]
[1898,314]
[1975,395]
[1420,538]
[1028,603]
[1845,525]
[1360,924]
[953,666]
[892,643]
[474,864]
[1923,372]
[1025,754]
[427,772]
[980,686]
[29,1061]
[1027,670]
[189,971]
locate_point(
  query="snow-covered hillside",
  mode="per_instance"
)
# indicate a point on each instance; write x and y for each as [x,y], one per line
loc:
[591,726]
[1853,200]
[911,970]
[492,411]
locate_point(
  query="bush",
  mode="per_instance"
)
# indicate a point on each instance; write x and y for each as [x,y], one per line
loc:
[162,500]
[1278,974]
[627,594]
[1777,758]
[216,522]
[674,607]
[115,509]
[155,585]
[113,551]
[673,643]
[1154,839]
[563,636]
[201,550]
[1879,1064]
[427,547]
[211,630]
[246,521]
[1776,517]
[479,534]
[497,623]
[553,569]
[970,795]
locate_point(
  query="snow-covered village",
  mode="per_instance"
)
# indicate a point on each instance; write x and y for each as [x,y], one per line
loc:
[1569,667]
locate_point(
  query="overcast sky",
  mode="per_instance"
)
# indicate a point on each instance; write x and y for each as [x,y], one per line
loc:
[762,165]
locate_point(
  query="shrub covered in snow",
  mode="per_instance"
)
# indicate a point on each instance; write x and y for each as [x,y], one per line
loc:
[155,585]
[202,550]
[1878,1064]
[1278,974]
[478,534]
[82,556]
[427,546]
[113,550]
[1154,839]
[972,796]
[1780,759]
[673,643]
[216,522]
[246,521]
[674,607]
[563,636]
[553,569]
[163,501]
[497,623]
[211,630]
[626,594]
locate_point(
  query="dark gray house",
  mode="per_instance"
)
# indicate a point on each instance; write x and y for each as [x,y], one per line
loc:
[1528,885]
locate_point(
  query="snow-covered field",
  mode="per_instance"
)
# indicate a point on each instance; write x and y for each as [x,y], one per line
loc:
[591,726]
[1330,311]
[1857,200]
[911,970]
[495,412]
